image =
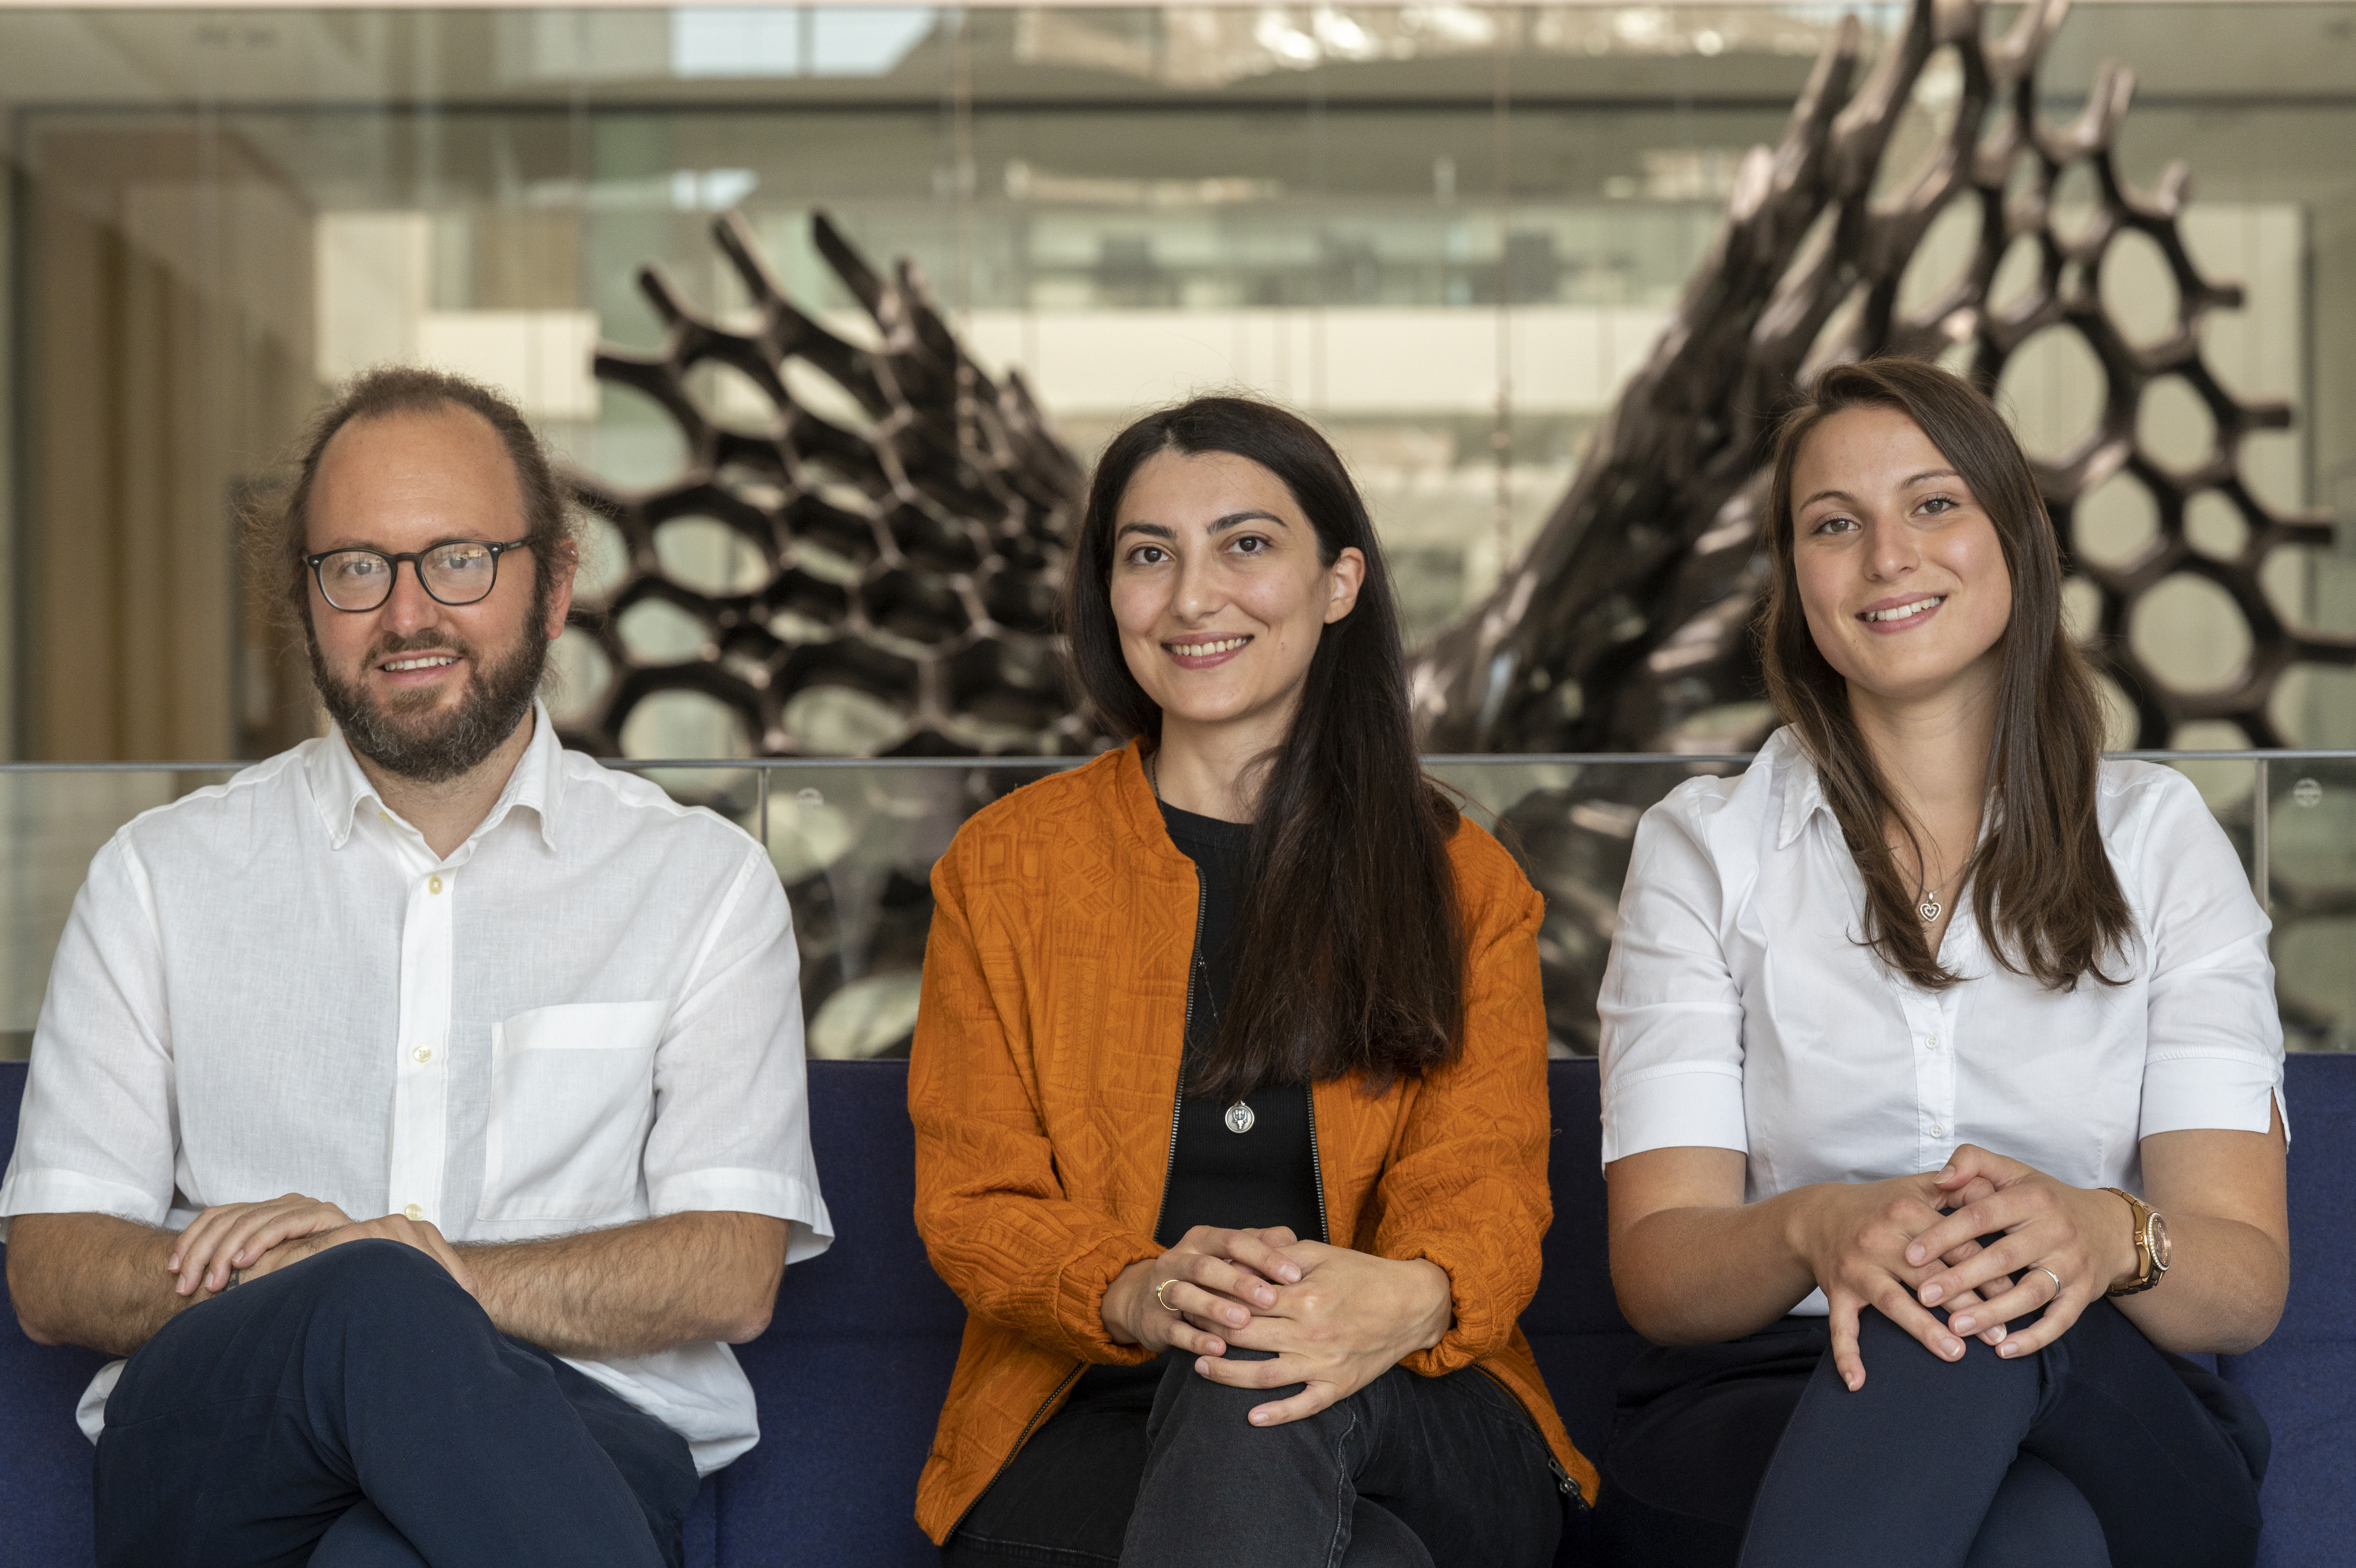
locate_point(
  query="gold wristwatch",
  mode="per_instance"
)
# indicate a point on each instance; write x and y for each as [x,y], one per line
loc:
[2153,1248]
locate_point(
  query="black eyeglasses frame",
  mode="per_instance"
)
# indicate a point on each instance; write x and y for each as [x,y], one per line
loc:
[416,559]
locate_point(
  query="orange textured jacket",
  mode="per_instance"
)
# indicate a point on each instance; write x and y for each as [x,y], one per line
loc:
[1044,1078]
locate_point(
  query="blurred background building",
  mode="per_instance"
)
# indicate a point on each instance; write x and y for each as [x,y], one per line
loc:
[1448,232]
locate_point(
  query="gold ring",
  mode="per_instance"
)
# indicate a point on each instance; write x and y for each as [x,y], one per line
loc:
[1164,1305]
[2050,1274]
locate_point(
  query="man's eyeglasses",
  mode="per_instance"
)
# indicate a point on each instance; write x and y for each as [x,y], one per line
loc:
[456,574]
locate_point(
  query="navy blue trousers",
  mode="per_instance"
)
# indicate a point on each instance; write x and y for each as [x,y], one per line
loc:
[2098,1450]
[359,1410]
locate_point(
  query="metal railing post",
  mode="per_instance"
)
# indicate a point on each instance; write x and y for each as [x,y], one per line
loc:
[2261,855]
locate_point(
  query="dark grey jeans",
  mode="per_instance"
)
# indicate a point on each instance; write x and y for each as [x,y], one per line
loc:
[1408,1472]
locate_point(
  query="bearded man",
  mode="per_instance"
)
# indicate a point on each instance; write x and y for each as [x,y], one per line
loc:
[422,1113]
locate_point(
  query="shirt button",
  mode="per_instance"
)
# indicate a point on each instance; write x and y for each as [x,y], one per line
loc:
[433,885]
[1932,1043]
[1938,1130]
[414,1212]
[421,1054]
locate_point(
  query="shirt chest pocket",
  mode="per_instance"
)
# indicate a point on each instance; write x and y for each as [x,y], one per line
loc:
[573,1098]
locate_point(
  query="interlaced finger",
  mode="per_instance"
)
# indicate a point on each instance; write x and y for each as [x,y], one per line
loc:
[2006,1210]
[1224,1277]
[1278,1371]
[1842,1320]
[1257,1252]
[1312,1398]
[1989,1267]
[1969,1249]
[1889,1296]
[2040,1287]
[1215,1311]
[2055,1322]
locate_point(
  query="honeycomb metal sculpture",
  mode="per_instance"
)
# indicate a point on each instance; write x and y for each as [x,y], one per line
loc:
[1629,616]
[914,562]
[1630,613]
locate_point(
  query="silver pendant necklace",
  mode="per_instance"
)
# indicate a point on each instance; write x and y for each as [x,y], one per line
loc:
[1240,1116]
[1930,908]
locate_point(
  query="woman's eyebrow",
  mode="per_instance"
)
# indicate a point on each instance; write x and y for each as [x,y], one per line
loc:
[1235,518]
[1910,481]
[1218,525]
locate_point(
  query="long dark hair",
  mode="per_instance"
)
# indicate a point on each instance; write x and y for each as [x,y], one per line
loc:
[1350,945]
[2042,887]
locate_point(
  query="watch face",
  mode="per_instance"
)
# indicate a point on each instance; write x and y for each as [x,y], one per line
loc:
[2163,1250]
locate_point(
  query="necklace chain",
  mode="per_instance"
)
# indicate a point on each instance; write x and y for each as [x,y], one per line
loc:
[1240,1116]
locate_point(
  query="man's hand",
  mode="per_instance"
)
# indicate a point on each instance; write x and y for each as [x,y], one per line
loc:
[1210,1283]
[409,1232]
[229,1237]
[1352,1318]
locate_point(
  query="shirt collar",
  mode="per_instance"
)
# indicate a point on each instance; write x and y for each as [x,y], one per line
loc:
[1804,790]
[339,787]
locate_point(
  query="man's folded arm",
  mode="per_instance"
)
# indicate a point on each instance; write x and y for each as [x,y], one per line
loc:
[100,1282]
[93,1280]
[675,1280]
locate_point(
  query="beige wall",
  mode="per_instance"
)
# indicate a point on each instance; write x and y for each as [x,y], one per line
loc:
[170,358]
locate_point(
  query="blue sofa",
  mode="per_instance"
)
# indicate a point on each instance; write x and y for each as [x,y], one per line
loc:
[851,1371]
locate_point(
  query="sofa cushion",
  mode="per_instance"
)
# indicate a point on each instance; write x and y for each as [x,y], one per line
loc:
[851,1371]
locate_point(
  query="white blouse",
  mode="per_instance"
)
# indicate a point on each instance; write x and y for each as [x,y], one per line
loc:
[1742,1011]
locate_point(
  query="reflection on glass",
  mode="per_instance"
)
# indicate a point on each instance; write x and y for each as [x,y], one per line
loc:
[855,843]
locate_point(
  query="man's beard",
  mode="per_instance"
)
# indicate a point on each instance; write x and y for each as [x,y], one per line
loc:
[403,736]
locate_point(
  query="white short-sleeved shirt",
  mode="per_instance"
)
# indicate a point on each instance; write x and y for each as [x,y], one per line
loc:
[1739,1010]
[587,1014]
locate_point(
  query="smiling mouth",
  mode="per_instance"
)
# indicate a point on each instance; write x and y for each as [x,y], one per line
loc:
[1900,612]
[417,661]
[1200,650]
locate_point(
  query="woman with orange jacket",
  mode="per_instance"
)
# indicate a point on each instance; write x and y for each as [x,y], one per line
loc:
[1229,1078]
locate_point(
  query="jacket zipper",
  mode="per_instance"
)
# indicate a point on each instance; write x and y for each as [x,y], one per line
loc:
[1317,1168]
[1021,1438]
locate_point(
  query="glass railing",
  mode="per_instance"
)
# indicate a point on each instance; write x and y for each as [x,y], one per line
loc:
[854,842]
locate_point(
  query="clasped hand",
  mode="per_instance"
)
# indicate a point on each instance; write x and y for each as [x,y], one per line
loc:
[1331,1320]
[2074,1242]
[1912,1243]
[254,1239]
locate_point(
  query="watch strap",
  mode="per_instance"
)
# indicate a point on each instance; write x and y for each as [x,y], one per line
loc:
[2146,1276]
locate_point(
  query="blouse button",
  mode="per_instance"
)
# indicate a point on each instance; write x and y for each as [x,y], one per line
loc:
[414,1212]
[433,885]
[1931,1043]
[423,1054]
[1938,1130]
